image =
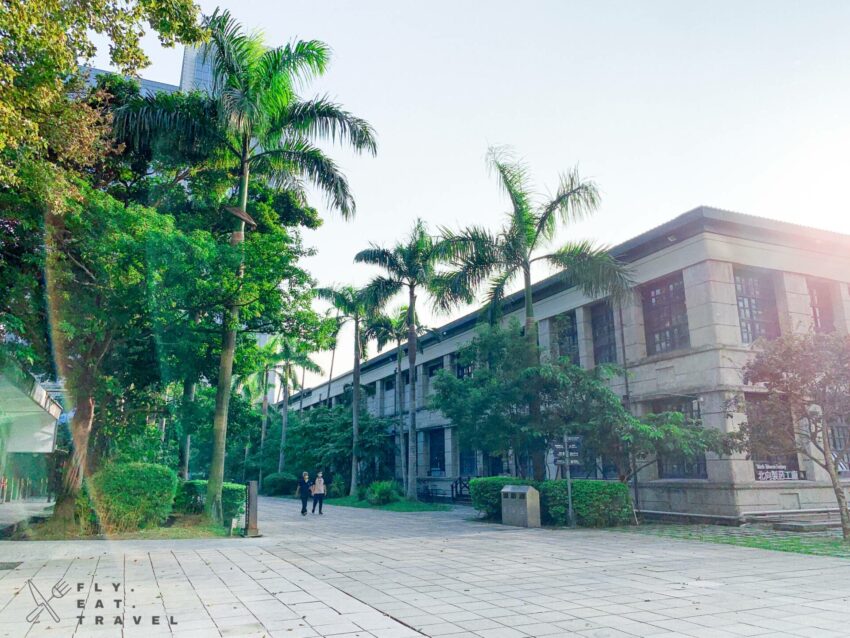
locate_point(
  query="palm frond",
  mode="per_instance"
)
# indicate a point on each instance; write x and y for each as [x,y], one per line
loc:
[322,119]
[513,178]
[380,290]
[301,159]
[386,258]
[592,269]
[574,200]
[227,50]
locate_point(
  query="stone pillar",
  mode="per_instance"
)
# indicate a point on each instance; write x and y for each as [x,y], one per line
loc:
[712,304]
[451,453]
[841,306]
[585,337]
[793,303]
[632,329]
[544,339]
[422,454]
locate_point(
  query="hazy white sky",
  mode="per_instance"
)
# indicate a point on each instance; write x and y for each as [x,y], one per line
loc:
[666,104]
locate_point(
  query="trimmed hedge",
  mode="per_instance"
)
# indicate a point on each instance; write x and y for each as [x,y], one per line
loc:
[486,493]
[192,495]
[131,496]
[279,484]
[382,492]
[596,503]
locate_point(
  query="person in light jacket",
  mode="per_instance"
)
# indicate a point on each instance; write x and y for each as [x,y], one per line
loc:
[305,486]
[319,492]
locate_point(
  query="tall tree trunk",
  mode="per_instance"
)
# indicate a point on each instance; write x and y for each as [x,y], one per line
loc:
[538,450]
[76,466]
[355,407]
[837,487]
[264,428]
[301,395]
[331,371]
[284,422]
[400,426]
[225,369]
[412,462]
[188,398]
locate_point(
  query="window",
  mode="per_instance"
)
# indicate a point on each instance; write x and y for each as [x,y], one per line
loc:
[566,336]
[604,339]
[665,315]
[839,440]
[468,463]
[771,466]
[437,452]
[389,384]
[821,301]
[756,305]
[462,371]
[434,367]
[680,466]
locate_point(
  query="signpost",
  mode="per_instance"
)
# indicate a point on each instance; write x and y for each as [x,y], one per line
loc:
[567,456]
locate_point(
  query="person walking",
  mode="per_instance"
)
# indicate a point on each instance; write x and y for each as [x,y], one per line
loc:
[304,488]
[318,493]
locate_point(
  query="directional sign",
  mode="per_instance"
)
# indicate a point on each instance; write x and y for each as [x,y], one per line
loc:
[574,449]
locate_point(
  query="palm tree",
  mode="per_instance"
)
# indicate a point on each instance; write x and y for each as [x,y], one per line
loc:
[411,267]
[392,328]
[481,257]
[352,305]
[261,127]
[294,354]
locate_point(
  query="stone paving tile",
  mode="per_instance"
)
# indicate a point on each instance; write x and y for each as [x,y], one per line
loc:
[386,575]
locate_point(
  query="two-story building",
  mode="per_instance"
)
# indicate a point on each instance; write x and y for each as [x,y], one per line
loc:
[709,283]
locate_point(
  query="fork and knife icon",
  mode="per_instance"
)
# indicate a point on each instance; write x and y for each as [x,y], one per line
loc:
[59,590]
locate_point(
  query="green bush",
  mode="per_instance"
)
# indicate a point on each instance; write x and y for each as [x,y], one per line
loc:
[85,515]
[192,495]
[382,492]
[362,492]
[486,493]
[596,503]
[336,489]
[131,496]
[280,484]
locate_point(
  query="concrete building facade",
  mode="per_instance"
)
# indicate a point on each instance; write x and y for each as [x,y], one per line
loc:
[709,283]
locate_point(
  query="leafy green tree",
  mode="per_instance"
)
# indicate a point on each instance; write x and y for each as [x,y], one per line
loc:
[410,267]
[483,258]
[41,44]
[805,409]
[352,305]
[264,129]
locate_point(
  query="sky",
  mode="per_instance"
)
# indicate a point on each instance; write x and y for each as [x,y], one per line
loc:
[666,105]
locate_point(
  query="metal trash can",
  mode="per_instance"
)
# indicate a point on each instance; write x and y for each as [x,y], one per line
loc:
[520,506]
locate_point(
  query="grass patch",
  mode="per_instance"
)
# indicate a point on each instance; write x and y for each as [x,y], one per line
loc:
[180,527]
[760,537]
[402,505]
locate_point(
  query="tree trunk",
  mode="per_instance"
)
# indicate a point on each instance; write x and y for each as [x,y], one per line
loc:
[400,426]
[301,396]
[840,495]
[331,370]
[188,397]
[538,452]
[264,428]
[355,407]
[284,419]
[225,369]
[411,421]
[76,466]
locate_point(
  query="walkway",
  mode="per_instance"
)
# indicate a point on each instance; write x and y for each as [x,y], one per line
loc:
[371,574]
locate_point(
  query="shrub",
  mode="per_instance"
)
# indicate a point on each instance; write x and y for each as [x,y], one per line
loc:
[280,484]
[596,503]
[382,492]
[192,495]
[336,489]
[486,493]
[362,492]
[85,515]
[130,496]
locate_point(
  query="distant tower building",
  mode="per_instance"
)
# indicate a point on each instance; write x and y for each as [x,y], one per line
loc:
[196,74]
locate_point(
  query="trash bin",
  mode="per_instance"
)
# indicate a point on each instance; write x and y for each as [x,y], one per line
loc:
[520,506]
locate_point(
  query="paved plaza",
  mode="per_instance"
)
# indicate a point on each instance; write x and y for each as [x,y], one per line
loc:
[373,574]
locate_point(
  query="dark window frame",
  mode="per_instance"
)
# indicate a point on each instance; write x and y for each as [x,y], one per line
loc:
[820,301]
[566,336]
[755,294]
[680,466]
[604,331]
[437,462]
[665,315]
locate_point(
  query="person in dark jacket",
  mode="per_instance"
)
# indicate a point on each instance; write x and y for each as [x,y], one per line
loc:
[304,487]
